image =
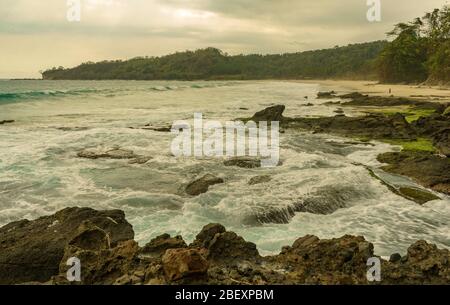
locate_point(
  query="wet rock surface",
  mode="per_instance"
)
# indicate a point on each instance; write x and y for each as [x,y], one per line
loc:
[372,126]
[428,169]
[358,99]
[202,185]
[270,114]
[244,162]
[32,250]
[107,153]
[259,179]
[160,244]
[6,122]
[436,127]
[216,256]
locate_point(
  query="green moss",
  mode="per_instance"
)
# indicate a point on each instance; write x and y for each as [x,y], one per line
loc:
[417,195]
[421,144]
[411,114]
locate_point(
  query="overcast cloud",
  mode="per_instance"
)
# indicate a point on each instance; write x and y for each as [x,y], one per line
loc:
[35,35]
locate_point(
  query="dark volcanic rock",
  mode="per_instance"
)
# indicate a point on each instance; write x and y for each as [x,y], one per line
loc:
[436,127]
[102,241]
[158,128]
[228,246]
[101,266]
[160,244]
[244,162]
[358,99]
[423,264]
[373,126]
[113,153]
[270,114]
[327,94]
[426,168]
[182,263]
[259,179]
[207,234]
[202,185]
[311,260]
[32,250]
[6,122]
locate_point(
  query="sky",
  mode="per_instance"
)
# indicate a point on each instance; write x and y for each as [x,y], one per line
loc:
[36,35]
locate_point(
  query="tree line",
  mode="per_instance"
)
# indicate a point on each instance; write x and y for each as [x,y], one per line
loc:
[352,61]
[419,51]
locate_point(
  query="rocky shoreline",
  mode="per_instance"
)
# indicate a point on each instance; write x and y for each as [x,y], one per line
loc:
[36,252]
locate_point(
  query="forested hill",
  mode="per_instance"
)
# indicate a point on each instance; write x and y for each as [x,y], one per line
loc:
[352,61]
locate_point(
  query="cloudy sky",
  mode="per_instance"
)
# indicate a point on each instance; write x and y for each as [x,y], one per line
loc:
[35,35]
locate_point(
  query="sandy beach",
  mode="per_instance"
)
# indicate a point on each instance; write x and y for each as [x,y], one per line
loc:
[431,93]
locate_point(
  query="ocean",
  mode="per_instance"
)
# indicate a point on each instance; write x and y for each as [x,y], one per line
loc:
[40,172]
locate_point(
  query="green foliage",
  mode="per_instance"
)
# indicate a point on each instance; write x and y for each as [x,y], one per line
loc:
[421,144]
[420,51]
[352,61]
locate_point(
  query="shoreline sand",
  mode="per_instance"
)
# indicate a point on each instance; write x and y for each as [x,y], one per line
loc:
[423,92]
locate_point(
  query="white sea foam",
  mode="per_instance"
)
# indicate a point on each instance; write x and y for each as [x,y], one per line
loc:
[40,173]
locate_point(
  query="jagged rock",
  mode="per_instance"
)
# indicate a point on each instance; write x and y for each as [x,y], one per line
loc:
[436,127]
[182,263]
[423,264]
[417,195]
[374,126]
[328,94]
[157,128]
[259,179]
[6,122]
[244,162]
[335,261]
[270,114]
[90,237]
[207,234]
[396,257]
[447,111]
[426,168]
[215,257]
[160,244]
[228,246]
[202,185]
[358,99]
[140,160]
[441,141]
[114,153]
[32,250]
[103,266]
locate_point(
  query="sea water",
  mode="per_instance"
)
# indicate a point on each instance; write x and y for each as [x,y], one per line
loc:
[40,172]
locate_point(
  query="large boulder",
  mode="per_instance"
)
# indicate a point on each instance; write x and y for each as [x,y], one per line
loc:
[426,168]
[184,263]
[230,247]
[202,185]
[424,263]
[206,235]
[107,153]
[32,250]
[270,114]
[259,179]
[373,126]
[244,162]
[160,244]
[334,261]
[104,266]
